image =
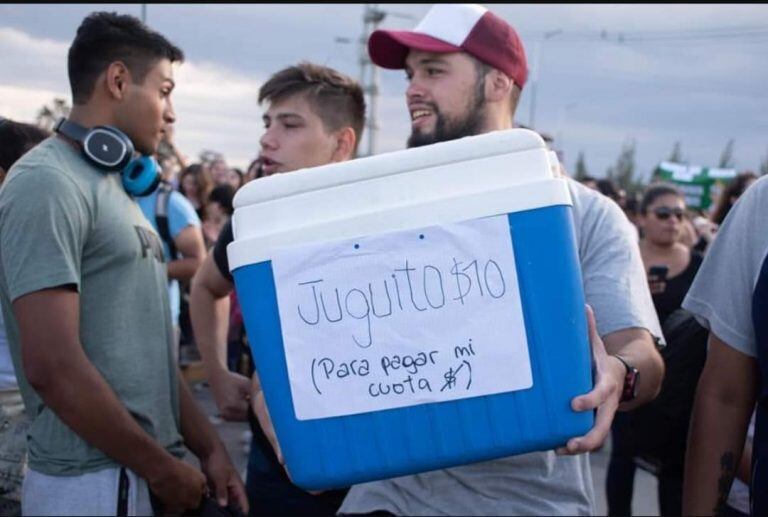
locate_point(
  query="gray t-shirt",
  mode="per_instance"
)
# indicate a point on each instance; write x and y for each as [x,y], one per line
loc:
[721,293]
[538,483]
[724,297]
[64,222]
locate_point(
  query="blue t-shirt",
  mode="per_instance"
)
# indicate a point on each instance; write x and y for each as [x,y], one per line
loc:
[181,214]
[7,375]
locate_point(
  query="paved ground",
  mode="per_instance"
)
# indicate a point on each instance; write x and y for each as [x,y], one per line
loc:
[645,501]
[232,433]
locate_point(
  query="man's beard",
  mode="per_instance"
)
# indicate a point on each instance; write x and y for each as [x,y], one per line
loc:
[447,129]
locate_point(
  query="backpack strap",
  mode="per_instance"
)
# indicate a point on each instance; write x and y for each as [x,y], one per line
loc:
[161,216]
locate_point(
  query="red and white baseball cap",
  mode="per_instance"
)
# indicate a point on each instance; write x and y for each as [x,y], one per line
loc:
[469,28]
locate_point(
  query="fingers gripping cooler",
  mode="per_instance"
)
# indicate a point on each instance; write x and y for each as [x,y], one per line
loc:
[415,310]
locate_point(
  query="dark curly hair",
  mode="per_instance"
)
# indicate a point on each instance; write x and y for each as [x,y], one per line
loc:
[733,190]
[104,38]
[16,138]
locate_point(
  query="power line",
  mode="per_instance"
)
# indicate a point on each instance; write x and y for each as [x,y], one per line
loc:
[697,31]
[369,73]
[743,33]
[615,38]
[691,37]
[624,38]
[660,32]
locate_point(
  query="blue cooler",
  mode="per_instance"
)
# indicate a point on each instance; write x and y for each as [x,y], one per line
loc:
[357,393]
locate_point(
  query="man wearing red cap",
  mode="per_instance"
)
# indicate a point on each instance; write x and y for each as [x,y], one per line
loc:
[466,68]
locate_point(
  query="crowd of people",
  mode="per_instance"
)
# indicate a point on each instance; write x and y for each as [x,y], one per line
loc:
[125,257]
[672,240]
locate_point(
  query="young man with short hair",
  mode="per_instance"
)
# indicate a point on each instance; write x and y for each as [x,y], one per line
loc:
[84,296]
[314,117]
[465,68]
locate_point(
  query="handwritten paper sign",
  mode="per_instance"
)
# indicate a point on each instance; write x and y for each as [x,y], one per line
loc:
[402,318]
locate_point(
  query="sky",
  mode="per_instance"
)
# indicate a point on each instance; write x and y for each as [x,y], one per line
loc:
[607,74]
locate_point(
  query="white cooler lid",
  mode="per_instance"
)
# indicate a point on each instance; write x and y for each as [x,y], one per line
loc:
[490,174]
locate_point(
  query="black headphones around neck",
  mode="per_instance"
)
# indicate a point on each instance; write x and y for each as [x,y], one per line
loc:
[111,150]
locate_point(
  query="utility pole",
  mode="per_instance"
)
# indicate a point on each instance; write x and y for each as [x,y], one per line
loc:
[535,74]
[369,73]
[144,13]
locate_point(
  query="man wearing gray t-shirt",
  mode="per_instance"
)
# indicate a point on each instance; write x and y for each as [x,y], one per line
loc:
[729,296]
[465,68]
[85,300]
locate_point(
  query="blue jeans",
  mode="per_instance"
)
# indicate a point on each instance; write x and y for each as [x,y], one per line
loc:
[270,492]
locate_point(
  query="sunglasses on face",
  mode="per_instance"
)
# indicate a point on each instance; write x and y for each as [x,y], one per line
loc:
[664,212]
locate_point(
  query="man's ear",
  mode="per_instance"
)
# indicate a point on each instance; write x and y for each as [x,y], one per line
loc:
[498,85]
[345,144]
[117,78]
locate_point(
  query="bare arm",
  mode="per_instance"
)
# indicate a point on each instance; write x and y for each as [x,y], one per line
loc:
[209,313]
[197,431]
[744,469]
[636,347]
[170,133]
[189,243]
[58,369]
[259,406]
[183,163]
[204,442]
[725,398]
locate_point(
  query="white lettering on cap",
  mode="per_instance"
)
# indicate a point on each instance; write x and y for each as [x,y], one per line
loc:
[451,23]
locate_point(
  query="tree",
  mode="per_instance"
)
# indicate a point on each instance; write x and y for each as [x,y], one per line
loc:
[581,167]
[47,116]
[764,166]
[763,169]
[726,158]
[676,156]
[208,156]
[623,171]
